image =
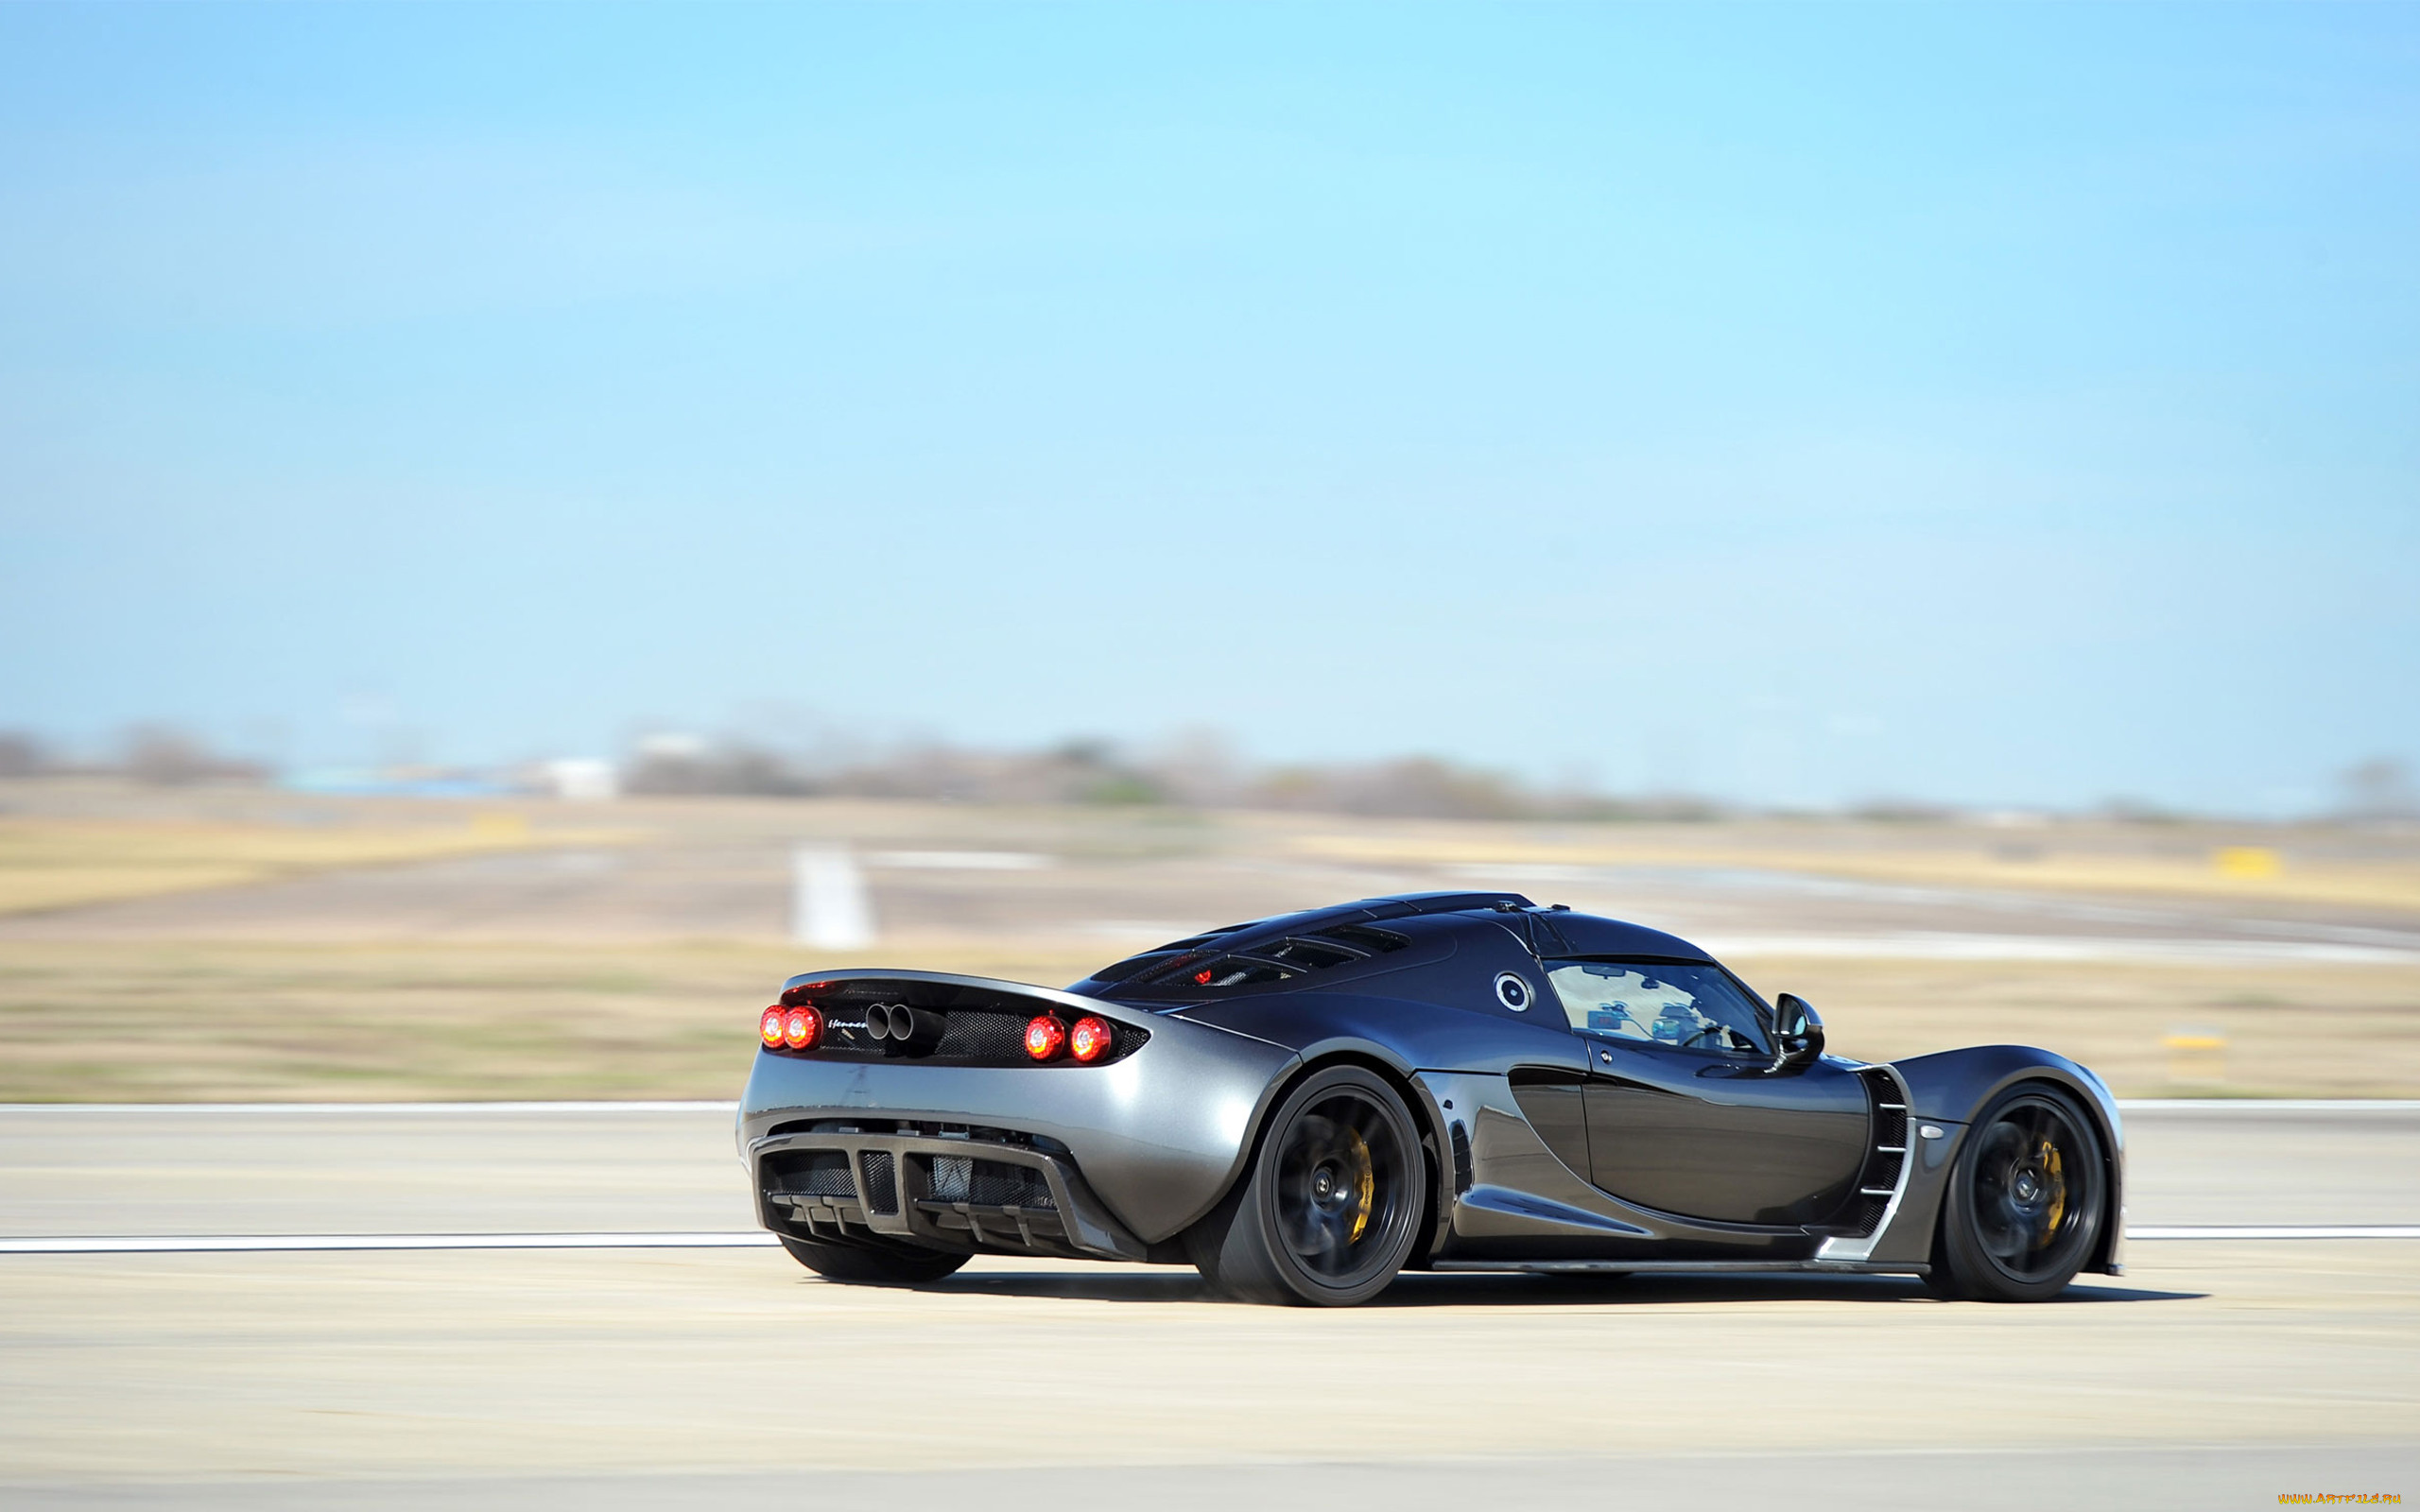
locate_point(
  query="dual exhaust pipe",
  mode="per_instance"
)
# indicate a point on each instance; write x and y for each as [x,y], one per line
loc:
[897,1027]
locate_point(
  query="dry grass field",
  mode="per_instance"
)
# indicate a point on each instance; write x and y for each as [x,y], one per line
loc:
[49,863]
[2241,867]
[2289,1031]
[244,945]
[200,1020]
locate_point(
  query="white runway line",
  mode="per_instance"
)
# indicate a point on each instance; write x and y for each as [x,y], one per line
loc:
[379,1110]
[2344,1230]
[2127,1105]
[2130,1106]
[1948,946]
[267,1243]
[755,1239]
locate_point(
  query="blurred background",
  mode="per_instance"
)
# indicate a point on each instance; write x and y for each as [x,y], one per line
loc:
[522,526]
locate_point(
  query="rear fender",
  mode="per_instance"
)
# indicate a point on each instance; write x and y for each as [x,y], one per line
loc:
[1158,1135]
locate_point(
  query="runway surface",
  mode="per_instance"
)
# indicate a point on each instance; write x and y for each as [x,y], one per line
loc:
[577,1168]
[2219,1373]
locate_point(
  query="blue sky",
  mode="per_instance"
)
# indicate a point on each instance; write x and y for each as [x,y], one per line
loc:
[1796,404]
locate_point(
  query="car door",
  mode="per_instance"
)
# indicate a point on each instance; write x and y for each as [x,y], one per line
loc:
[1685,1112]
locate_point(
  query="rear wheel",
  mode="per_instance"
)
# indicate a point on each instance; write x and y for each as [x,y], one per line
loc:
[1329,1209]
[2025,1201]
[885,1265]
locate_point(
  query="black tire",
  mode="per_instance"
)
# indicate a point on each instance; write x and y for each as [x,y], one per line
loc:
[883,1266]
[2026,1200]
[1329,1207]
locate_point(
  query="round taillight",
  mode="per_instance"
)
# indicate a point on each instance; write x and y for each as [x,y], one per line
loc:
[770,1026]
[1089,1039]
[1044,1036]
[801,1028]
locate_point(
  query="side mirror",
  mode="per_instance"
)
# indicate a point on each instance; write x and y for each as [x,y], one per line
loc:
[1798,1035]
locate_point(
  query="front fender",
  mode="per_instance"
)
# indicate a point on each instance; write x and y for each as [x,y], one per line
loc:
[1948,1089]
[1955,1084]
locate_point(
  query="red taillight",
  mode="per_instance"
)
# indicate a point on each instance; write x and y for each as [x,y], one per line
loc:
[770,1026]
[1044,1036]
[801,1028]
[1089,1039]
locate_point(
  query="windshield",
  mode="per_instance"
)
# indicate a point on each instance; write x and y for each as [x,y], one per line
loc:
[1686,1006]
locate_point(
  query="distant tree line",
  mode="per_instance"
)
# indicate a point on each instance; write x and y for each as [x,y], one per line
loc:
[1193,775]
[1196,772]
[160,755]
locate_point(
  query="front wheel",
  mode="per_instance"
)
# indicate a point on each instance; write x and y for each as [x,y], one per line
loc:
[881,1265]
[2025,1201]
[1329,1209]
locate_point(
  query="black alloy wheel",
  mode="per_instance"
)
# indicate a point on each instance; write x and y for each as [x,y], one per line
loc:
[1329,1209]
[873,1262]
[2026,1200]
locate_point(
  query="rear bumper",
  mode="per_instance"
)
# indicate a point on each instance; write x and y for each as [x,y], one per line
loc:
[1130,1153]
[942,1192]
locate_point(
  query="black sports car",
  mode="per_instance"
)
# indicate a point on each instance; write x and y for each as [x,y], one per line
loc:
[1306,1105]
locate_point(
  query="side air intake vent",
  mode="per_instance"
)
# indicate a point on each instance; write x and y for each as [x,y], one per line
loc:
[1878,1182]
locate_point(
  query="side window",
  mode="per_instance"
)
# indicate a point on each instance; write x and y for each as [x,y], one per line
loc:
[1688,1008]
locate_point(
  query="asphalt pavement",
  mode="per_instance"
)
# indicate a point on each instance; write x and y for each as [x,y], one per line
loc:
[471,1168]
[2215,1373]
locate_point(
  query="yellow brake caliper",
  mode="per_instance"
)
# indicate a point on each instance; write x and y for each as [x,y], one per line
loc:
[1364,1183]
[2058,1178]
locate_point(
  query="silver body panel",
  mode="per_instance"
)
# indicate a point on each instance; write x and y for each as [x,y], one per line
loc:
[1157,1136]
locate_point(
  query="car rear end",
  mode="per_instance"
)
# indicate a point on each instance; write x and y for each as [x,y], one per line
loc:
[971,1114]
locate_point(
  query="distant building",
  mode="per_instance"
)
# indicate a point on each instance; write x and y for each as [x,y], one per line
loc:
[584,780]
